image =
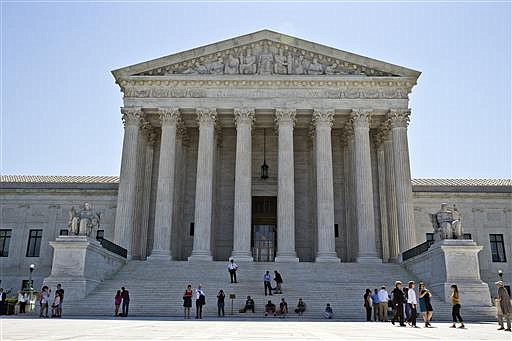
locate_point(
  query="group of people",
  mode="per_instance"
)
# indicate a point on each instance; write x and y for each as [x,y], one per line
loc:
[44,302]
[122,298]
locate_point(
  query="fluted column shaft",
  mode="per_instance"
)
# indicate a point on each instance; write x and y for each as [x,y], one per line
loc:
[244,119]
[367,251]
[146,195]
[204,185]
[399,120]
[394,244]
[323,121]
[169,119]
[123,228]
[285,120]
[381,168]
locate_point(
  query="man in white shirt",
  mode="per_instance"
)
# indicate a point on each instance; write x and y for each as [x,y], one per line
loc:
[232,267]
[200,301]
[413,303]
[383,304]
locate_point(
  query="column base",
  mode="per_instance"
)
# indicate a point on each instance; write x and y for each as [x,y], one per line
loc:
[290,257]
[160,255]
[200,256]
[368,259]
[327,257]
[241,256]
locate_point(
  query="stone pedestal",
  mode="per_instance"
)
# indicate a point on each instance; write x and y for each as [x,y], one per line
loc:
[452,261]
[80,263]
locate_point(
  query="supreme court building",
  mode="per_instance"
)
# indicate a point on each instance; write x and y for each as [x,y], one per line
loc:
[263,147]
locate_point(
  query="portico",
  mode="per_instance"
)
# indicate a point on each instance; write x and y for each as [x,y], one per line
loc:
[195,128]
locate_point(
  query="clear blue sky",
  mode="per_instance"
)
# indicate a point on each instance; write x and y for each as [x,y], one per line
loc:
[60,106]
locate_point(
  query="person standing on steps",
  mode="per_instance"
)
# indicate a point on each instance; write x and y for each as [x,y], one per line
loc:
[367,303]
[220,303]
[279,282]
[200,302]
[425,305]
[59,292]
[44,298]
[232,267]
[117,302]
[375,304]
[456,307]
[398,303]
[383,304]
[125,295]
[266,283]
[503,304]
[187,302]
[413,303]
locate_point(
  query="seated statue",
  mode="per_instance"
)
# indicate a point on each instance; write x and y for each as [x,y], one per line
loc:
[84,222]
[447,223]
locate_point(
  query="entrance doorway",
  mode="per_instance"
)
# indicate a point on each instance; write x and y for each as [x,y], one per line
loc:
[264,225]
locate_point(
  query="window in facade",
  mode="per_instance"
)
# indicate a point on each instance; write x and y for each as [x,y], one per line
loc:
[63,232]
[34,243]
[497,248]
[5,240]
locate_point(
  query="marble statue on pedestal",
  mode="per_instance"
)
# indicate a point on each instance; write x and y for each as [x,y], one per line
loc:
[447,223]
[84,222]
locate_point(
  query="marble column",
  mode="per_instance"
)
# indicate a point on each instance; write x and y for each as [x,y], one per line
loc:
[323,121]
[285,120]
[381,168]
[244,119]
[399,119]
[394,246]
[169,119]
[367,252]
[146,193]
[123,227]
[204,185]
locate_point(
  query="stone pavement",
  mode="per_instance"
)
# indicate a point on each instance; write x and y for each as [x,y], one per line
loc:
[159,329]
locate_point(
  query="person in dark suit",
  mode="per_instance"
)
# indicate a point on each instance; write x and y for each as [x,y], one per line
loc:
[3,298]
[398,302]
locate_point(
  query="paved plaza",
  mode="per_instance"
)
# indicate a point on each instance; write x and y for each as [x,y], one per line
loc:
[146,329]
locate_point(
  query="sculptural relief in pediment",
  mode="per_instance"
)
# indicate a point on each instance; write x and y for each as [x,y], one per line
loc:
[264,58]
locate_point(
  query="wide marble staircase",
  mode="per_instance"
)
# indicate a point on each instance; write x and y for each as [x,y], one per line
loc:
[156,289]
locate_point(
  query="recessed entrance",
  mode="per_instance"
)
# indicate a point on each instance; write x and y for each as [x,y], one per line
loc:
[264,225]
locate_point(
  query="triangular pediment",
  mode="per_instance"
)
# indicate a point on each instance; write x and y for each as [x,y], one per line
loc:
[265,53]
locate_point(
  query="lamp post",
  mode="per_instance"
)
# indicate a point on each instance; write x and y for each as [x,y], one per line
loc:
[31,268]
[500,274]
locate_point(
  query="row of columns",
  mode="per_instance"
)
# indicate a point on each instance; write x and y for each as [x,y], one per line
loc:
[395,188]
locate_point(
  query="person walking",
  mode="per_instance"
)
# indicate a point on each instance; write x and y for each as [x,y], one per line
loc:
[405,306]
[232,267]
[220,303]
[367,298]
[456,307]
[413,303]
[425,305]
[200,302]
[117,302]
[503,303]
[44,297]
[266,283]
[279,282]
[375,304]
[187,302]
[398,303]
[383,304]
[125,295]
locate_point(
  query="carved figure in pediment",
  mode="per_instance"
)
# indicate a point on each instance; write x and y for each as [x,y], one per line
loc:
[266,62]
[197,69]
[332,69]
[315,68]
[232,65]
[281,63]
[248,63]
[84,222]
[298,65]
[216,67]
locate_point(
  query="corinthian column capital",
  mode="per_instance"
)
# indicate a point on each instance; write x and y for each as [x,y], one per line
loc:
[399,118]
[206,116]
[284,116]
[360,118]
[323,117]
[244,115]
[169,116]
[131,116]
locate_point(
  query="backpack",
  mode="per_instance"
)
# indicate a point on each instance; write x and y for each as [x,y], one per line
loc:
[202,299]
